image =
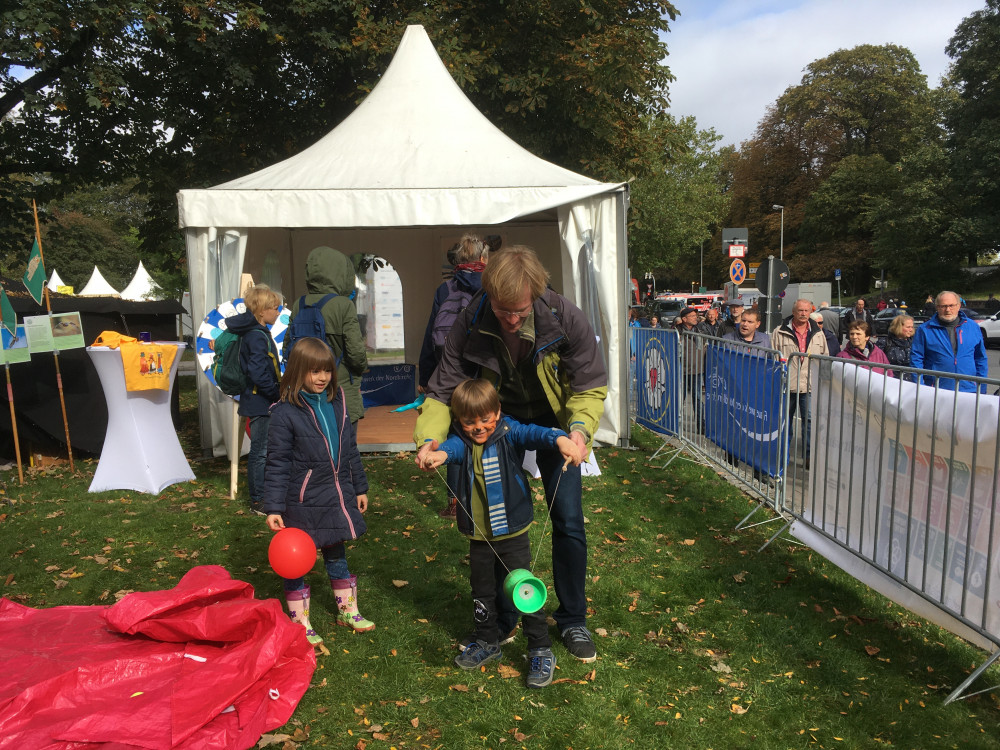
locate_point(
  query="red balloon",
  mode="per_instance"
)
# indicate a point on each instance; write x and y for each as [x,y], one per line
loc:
[292,553]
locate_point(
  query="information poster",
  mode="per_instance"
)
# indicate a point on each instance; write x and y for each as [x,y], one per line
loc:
[56,332]
[15,348]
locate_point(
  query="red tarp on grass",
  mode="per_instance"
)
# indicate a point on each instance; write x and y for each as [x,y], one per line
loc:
[202,665]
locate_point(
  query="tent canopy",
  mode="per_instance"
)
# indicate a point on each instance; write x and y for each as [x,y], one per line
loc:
[97,287]
[404,176]
[142,286]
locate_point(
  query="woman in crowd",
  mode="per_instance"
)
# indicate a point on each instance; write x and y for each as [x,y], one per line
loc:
[896,344]
[860,346]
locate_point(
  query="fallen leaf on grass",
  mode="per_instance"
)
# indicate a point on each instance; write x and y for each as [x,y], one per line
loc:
[506,671]
[740,577]
[872,650]
[430,558]
[399,584]
[60,584]
[9,580]
[621,537]
[380,736]
[415,722]
[688,542]
[736,708]
[459,688]
[272,739]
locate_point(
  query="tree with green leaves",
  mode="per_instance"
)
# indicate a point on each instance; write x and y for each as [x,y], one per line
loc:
[866,107]
[676,209]
[974,124]
[194,94]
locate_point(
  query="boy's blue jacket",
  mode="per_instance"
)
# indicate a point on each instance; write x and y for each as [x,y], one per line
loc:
[931,350]
[511,439]
[303,484]
[259,360]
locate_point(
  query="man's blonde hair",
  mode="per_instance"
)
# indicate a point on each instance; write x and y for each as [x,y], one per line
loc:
[512,270]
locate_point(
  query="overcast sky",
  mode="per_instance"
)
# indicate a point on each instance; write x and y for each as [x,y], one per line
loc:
[732,58]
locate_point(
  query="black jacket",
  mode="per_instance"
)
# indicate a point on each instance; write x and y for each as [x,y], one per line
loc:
[259,361]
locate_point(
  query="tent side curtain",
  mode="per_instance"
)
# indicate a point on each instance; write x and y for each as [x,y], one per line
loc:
[215,264]
[592,233]
[455,206]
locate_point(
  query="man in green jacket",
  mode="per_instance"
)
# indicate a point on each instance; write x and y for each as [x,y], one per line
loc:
[328,270]
[542,356]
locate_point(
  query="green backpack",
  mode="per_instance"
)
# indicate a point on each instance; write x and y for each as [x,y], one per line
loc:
[226,370]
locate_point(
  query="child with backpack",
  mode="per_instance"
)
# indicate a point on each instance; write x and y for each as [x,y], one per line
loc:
[258,363]
[315,480]
[496,511]
[328,312]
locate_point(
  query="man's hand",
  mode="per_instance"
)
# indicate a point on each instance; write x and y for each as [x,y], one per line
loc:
[433,459]
[581,442]
[570,450]
[430,445]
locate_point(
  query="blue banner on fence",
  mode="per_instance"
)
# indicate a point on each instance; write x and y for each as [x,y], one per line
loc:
[656,379]
[388,385]
[743,406]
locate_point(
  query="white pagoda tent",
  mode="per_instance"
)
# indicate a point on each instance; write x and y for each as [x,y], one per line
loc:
[142,287]
[55,282]
[97,287]
[414,167]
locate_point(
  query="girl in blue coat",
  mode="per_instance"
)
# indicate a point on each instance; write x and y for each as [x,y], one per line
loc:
[315,480]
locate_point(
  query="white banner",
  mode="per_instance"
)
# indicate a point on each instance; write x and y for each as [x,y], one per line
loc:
[907,480]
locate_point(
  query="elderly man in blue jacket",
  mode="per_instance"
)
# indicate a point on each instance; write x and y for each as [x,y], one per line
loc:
[950,342]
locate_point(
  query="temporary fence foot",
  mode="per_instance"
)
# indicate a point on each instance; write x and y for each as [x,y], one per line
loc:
[778,533]
[750,515]
[956,694]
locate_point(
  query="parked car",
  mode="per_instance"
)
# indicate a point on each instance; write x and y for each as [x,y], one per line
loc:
[884,318]
[990,326]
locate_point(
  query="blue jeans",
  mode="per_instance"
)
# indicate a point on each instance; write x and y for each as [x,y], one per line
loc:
[335,562]
[569,545]
[797,401]
[257,459]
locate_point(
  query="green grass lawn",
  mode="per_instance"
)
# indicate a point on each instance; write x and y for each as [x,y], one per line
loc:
[702,641]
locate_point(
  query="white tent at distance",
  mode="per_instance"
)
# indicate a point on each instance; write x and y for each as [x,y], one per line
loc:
[403,177]
[97,287]
[55,282]
[142,287]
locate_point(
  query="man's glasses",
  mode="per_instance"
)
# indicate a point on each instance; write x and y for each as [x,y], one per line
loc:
[512,315]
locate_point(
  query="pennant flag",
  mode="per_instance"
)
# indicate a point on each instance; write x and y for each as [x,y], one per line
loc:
[8,318]
[34,277]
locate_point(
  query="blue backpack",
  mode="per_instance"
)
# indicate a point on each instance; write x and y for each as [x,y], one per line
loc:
[308,322]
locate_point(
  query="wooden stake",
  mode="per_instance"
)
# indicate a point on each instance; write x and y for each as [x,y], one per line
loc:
[13,426]
[55,352]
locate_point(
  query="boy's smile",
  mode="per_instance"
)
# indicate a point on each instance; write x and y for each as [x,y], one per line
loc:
[479,429]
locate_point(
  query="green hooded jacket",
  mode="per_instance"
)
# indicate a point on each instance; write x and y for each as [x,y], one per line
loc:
[329,270]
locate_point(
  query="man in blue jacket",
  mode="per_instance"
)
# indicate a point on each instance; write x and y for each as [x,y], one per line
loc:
[950,342]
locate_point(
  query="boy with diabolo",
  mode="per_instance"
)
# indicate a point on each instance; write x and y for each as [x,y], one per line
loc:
[495,512]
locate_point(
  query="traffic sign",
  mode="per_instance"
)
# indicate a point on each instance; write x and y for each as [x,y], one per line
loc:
[772,277]
[737,250]
[836,274]
[738,271]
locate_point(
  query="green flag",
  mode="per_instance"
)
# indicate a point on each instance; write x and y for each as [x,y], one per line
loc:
[34,277]
[8,318]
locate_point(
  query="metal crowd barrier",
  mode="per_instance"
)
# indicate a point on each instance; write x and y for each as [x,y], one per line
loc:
[904,480]
[892,479]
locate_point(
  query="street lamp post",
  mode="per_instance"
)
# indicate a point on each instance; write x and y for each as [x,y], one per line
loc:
[701,283]
[781,250]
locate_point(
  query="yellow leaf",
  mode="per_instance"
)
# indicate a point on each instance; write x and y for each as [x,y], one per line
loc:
[399,584]
[736,708]
[506,671]
[688,542]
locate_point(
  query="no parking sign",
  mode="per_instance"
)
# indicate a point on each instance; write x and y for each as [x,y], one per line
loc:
[737,271]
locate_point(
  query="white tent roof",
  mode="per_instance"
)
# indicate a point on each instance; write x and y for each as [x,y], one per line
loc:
[97,287]
[142,286]
[416,152]
[55,282]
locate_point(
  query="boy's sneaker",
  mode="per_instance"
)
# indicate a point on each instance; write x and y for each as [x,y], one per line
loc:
[504,640]
[541,665]
[578,642]
[476,654]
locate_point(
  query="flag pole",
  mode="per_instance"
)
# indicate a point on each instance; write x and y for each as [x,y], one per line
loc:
[55,352]
[13,425]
